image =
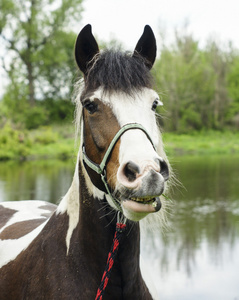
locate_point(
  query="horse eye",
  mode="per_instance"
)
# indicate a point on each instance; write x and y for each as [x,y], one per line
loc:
[155,104]
[91,106]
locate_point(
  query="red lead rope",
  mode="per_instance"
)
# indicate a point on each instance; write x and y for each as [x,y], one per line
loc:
[120,227]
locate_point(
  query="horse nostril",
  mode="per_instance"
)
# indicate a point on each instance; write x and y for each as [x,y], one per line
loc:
[164,171]
[131,170]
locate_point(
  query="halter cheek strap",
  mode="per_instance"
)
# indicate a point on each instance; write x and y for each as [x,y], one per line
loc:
[101,168]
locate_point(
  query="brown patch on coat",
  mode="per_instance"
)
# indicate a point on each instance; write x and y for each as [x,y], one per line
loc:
[99,130]
[50,207]
[19,229]
[5,215]
[41,271]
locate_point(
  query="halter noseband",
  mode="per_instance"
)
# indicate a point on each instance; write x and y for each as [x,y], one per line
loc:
[101,168]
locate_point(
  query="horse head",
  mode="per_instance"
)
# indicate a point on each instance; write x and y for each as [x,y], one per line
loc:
[121,147]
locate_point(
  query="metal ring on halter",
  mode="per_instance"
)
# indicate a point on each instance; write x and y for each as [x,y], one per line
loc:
[121,218]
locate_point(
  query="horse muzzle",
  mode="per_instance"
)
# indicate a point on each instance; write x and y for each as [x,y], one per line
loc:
[141,186]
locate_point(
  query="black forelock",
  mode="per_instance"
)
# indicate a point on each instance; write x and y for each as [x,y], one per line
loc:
[116,71]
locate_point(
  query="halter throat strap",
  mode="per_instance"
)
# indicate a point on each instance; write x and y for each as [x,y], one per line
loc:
[101,168]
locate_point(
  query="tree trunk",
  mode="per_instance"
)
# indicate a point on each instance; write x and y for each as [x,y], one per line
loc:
[29,64]
[31,85]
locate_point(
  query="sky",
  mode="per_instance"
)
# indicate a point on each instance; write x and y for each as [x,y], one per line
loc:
[125,19]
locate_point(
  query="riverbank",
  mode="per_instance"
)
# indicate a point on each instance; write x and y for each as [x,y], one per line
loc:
[201,143]
[48,142]
[57,142]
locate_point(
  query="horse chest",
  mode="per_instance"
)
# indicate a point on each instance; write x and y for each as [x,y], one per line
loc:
[44,271]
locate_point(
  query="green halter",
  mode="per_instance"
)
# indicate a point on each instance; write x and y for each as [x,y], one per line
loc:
[101,168]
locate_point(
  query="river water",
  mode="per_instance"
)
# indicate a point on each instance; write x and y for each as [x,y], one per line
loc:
[198,257]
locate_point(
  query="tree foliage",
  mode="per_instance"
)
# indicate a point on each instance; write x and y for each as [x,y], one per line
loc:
[38,56]
[233,89]
[198,85]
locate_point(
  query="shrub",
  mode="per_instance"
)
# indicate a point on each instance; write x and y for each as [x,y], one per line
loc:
[14,144]
[46,136]
[35,117]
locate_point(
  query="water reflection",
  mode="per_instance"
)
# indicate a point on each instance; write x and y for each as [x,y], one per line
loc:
[198,258]
[38,180]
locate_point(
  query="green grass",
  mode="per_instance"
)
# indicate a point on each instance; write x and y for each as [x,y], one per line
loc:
[57,142]
[201,143]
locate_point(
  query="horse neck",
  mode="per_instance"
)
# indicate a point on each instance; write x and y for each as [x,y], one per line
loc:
[97,222]
[93,239]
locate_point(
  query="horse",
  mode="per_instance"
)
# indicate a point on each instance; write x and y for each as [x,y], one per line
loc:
[60,252]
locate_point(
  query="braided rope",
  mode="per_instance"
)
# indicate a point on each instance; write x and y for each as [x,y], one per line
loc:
[120,227]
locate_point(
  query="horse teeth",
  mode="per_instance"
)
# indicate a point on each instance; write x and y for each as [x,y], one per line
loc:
[144,200]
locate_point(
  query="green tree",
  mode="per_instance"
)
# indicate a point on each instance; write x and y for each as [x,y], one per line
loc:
[35,34]
[219,60]
[193,84]
[185,81]
[233,89]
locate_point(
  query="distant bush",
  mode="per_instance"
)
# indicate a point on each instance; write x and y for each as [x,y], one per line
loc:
[46,136]
[14,144]
[35,117]
[19,144]
[43,113]
[58,110]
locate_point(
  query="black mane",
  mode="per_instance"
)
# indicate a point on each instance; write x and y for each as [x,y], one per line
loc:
[116,71]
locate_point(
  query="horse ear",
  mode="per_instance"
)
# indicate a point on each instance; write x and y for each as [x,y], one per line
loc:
[86,48]
[146,46]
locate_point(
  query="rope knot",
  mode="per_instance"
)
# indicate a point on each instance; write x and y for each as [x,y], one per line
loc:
[120,227]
